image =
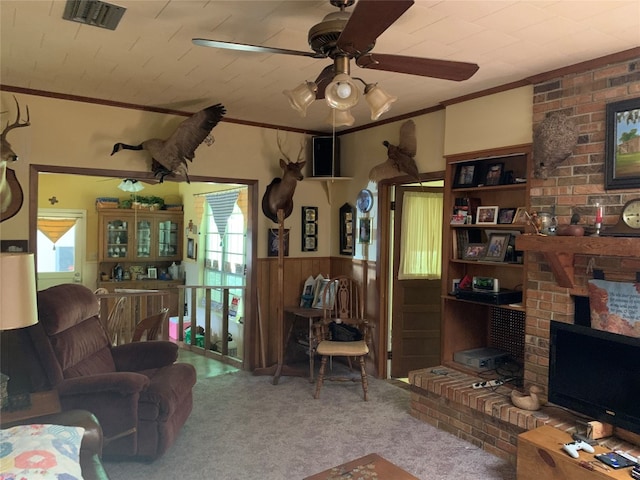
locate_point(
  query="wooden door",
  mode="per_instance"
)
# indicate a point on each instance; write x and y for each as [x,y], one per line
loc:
[415,314]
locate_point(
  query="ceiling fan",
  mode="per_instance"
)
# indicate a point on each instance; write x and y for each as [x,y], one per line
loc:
[343,36]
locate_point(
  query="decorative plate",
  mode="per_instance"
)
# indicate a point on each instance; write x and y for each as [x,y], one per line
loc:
[364,202]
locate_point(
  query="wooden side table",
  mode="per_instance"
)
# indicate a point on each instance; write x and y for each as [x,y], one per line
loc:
[540,456]
[42,403]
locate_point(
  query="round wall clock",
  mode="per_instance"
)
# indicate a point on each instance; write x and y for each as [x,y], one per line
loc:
[364,202]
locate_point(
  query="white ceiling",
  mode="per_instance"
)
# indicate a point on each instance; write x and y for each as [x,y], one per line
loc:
[149,59]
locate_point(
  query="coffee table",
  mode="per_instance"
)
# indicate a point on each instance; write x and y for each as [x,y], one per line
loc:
[370,466]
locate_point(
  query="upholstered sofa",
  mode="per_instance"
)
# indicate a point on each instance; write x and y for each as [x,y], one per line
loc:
[138,392]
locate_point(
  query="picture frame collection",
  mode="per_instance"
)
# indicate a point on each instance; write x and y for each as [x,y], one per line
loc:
[309,229]
[467,211]
[475,174]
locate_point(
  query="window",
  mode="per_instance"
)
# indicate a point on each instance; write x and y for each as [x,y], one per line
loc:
[421,249]
[224,255]
[60,243]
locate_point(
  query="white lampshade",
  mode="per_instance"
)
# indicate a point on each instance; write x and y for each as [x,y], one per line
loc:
[339,118]
[130,185]
[302,96]
[18,301]
[379,101]
[342,92]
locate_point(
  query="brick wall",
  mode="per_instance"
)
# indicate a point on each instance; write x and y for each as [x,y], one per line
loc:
[574,187]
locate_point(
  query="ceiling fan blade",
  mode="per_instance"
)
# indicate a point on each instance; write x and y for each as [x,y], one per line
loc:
[367,21]
[245,47]
[324,79]
[426,67]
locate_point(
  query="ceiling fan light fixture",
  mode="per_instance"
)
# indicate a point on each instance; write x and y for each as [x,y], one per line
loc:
[340,118]
[130,185]
[342,93]
[302,96]
[379,101]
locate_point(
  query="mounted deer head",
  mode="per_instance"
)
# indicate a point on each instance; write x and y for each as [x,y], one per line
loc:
[279,193]
[8,155]
[10,191]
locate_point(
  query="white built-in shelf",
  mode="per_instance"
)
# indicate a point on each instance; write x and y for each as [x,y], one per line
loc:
[328,181]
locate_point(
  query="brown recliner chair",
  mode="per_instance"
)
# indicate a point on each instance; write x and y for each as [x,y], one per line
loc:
[140,396]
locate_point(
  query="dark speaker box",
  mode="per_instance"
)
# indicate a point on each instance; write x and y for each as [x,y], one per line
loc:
[326,157]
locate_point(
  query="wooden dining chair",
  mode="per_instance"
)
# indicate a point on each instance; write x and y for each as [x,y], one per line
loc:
[151,324]
[115,320]
[343,331]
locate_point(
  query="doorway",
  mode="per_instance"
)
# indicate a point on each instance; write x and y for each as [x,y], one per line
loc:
[410,308]
[248,359]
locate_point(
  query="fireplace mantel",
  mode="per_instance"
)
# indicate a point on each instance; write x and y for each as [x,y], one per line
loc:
[560,251]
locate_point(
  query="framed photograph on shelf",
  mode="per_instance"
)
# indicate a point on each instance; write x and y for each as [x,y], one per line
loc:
[520,217]
[458,219]
[346,229]
[152,272]
[497,247]
[474,251]
[309,229]
[487,215]
[272,246]
[622,149]
[494,174]
[467,175]
[505,215]
[364,230]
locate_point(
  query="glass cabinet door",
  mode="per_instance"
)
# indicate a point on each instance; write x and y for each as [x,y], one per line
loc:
[117,238]
[143,238]
[167,238]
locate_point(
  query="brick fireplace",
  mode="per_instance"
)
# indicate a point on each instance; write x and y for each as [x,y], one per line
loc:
[487,419]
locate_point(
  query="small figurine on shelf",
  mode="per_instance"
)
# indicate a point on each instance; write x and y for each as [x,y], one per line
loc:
[118,272]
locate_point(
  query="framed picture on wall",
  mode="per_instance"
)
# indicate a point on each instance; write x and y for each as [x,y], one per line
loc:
[622,144]
[192,249]
[309,229]
[364,230]
[272,247]
[346,229]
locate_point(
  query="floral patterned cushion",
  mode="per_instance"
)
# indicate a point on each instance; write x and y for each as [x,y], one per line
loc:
[38,452]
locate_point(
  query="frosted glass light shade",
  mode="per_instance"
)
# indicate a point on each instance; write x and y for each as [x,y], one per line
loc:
[342,92]
[18,301]
[340,118]
[379,101]
[302,96]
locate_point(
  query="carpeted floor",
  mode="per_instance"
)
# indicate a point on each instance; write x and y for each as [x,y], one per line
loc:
[245,428]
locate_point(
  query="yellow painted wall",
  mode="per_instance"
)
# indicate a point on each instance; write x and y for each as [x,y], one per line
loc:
[81,134]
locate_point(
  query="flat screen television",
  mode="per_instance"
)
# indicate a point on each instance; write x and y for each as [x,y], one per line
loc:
[595,373]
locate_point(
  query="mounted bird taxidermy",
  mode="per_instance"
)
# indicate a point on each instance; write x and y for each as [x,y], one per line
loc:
[399,158]
[553,142]
[11,195]
[279,193]
[169,157]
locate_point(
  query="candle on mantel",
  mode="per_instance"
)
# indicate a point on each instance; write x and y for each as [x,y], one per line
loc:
[598,213]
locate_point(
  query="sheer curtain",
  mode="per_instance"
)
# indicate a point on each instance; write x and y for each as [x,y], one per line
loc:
[421,244]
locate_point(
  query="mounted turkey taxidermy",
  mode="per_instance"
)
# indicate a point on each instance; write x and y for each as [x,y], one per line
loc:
[279,193]
[170,156]
[11,195]
[399,158]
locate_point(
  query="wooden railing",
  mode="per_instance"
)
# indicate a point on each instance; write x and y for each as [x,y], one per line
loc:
[139,304]
[189,295]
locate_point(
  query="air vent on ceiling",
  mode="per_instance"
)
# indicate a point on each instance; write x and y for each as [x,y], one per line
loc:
[93,12]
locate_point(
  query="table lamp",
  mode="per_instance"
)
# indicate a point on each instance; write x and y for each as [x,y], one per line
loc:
[18,301]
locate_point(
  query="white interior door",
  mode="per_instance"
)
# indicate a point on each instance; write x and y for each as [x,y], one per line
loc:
[61,246]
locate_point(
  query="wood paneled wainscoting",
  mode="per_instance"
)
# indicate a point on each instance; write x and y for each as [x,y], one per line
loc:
[296,271]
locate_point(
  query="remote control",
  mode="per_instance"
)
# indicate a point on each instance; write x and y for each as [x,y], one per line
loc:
[572,448]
